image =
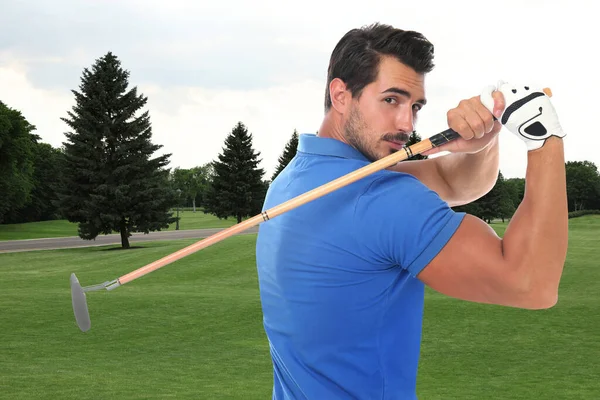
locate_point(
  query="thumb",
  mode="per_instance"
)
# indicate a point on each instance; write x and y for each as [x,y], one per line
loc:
[499,104]
[486,97]
[435,150]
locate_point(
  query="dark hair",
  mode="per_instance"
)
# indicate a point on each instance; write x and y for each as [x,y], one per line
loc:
[355,59]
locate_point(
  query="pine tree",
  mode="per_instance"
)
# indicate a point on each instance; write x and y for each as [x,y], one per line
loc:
[236,189]
[111,183]
[415,138]
[288,153]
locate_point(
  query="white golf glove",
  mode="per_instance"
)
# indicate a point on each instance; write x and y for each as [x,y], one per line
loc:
[528,113]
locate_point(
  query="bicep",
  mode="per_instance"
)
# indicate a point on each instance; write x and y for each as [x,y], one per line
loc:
[456,254]
[471,266]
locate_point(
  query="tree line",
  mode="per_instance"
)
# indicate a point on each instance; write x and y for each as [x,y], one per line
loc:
[107,179]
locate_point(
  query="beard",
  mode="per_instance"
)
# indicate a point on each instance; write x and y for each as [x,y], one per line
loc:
[357,134]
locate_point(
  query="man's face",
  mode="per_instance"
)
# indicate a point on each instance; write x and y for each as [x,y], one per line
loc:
[381,120]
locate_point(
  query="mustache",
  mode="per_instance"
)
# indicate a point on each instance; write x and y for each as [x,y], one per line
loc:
[397,137]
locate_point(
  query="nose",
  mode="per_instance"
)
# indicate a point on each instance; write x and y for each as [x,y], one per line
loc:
[405,120]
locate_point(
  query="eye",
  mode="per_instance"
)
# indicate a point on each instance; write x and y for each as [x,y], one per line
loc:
[390,100]
[514,90]
[417,107]
[526,87]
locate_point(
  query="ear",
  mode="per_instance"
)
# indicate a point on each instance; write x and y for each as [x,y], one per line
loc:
[340,96]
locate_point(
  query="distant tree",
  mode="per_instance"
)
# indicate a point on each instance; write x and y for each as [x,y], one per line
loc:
[180,180]
[111,182]
[472,208]
[237,189]
[516,190]
[17,146]
[48,166]
[198,182]
[497,203]
[415,138]
[506,208]
[192,182]
[583,185]
[289,152]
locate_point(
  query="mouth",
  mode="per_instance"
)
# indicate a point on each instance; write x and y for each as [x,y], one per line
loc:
[396,144]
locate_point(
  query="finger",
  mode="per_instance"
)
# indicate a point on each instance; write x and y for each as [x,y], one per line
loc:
[478,117]
[457,122]
[484,114]
[450,146]
[486,97]
[432,151]
[499,103]
[497,127]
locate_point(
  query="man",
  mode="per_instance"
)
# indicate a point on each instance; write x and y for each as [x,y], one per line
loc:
[342,278]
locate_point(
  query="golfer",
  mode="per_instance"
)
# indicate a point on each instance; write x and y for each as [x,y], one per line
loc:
[342,278]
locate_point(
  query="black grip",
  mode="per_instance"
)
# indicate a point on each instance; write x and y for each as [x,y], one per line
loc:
[443,137]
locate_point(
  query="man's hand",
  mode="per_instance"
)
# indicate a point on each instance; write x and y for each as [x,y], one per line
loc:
[474,123]
[529,113]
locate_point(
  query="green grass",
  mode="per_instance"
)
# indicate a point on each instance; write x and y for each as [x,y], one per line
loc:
[37,230]
[199,220]
[190,330]
[474,351]
[63,228]
[193,330]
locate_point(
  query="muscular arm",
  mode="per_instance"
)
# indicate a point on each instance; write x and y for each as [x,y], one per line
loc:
[524,268]
[458,178]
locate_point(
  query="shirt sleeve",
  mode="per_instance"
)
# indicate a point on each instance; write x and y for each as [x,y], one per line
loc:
[403,222]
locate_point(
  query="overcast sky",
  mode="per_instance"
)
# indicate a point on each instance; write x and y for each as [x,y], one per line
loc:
[206,65]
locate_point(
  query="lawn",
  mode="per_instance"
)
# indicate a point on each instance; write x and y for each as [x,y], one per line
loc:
[189,330]
[63,228]
[193,330]
[473,351]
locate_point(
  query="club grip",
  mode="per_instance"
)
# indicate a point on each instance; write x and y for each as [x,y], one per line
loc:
[443,137]
[450,134]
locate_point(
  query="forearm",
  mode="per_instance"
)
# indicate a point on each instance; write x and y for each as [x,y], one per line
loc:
[469,176]
[536,239]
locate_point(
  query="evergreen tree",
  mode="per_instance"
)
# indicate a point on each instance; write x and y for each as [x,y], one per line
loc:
[237,189]
[111,183]
[415,138]
[288,153]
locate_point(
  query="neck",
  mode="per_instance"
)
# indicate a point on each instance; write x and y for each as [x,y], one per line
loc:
[332,127]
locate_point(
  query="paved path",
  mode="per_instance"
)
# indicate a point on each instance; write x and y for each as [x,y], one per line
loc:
[7,246]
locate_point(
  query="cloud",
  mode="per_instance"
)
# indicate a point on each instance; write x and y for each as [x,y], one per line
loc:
[41,107]
[207,65]
[196,128]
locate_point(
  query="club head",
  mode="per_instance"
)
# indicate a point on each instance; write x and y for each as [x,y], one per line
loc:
[80,308]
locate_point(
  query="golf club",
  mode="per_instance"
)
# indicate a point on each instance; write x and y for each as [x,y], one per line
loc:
[78,297]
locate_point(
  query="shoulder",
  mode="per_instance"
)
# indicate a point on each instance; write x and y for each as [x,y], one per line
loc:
[393,197]
[400,219]
[395,186]
[393,201]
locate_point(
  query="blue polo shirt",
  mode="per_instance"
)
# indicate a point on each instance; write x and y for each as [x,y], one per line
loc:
[341,302]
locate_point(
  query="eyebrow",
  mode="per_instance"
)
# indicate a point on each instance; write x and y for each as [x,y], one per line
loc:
[403,92]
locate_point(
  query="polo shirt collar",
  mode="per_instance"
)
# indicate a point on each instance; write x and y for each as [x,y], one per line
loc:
[313,144]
